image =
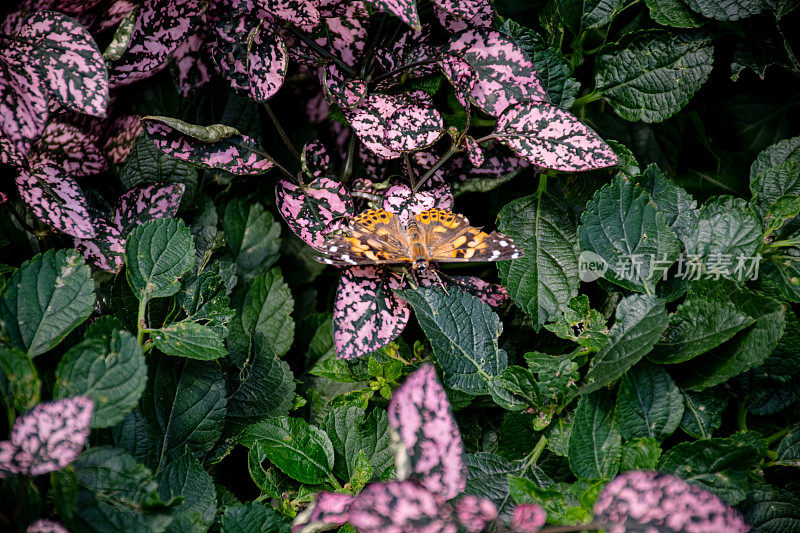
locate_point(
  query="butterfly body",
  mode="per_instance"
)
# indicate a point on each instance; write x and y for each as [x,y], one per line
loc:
[377,236]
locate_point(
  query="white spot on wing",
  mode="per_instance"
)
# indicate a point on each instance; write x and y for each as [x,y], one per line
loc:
[333,249]
[503,243]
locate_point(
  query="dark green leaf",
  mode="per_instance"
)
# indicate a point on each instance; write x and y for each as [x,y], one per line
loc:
[266,315]
[726,233]
[45,299]
[594,442]
[546,277]
[654,76]
[719,465]
[185,478]
[253,237]
[265,388]
[134,436]
[302,452]
[463,332]
[253,517]
[789,448]
[630,234]
[157,254]
[147,164]
[672,13]
[582,324]
[678,206]
[22,377]
[109,369]
[352,433]
[581,15]
[640,454]
[640,321]
[727,10]
[703,412]
[649,404]
[772,510]
[189,339]
[184,404]
[774,182]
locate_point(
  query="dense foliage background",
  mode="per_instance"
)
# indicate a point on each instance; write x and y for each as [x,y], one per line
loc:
[170,169]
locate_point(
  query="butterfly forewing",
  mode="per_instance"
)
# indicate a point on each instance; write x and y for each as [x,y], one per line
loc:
[373,237]
[451,239]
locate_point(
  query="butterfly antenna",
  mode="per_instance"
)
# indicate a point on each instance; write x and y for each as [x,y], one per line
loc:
[441,283]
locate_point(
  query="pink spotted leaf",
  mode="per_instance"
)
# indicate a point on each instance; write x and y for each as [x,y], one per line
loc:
[75,69]
[413,46]
[310,209]
[400,507]
[474,151]
[267,61]
[475,513]
[366,313]
[56,199]
[391,125]
[315,160]
[70,149]
[215,146]
[345,93]
[344,32]
[528,518]
[638,501]
[124,132]
[499,162]
[23,102]
[461,76]
[47,438]
[193,65]
[432,451]
[301,13]
[457,15]
[232,24]
[147,202]
[107,249]
[550,137]
[405,10]
[46,526]
[402,201]
[161,27]
[504,73]
[328,510]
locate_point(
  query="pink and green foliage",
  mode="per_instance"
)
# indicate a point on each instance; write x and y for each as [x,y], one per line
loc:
[392,125]
[68,148]
[367,315]
[341,91]
[550,137]
[74,68]
[315,159]
[504,73]
[161,27]
[637,501]
[528,518]
[47,438]
[455,16]
[403,202]
[46,526]
[432,448]
[475,513]
[405,10]
[194,66]
[229,150]
[400,507]
[267,61]
[309,209]
[120,141]
[56,199]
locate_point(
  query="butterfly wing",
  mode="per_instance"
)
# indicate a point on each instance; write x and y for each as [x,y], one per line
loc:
[451,239]
[373,237]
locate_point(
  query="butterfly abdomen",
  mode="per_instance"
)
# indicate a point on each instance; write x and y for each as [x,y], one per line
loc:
[418,250]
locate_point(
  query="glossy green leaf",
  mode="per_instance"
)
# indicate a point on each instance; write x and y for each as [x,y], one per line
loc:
[253,237]
[702,413]
[157,254]
[265,388]
[22,377]
[463,332]
[147,164]
[266,315]
[678,206]
[594,442]
[185,478]
[190,339]
[725,236]
[353,433]
[640,321]
[654,76]
[649,404]
[640,454]
[45,299]
[727,9]
[673,13]
[546,277]
[254,517]
[110,369]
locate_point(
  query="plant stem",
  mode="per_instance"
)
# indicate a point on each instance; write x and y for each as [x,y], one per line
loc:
[410,170]
[435,167]
[587,98]
[776,436]
[741,417]
[369,56]
[394,72]
[333,481]
[537,450]
[281,131]
[542,185]
[347,166]
[320,50]
[141,323]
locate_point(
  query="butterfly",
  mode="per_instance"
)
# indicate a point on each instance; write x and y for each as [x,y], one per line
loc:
[378,237]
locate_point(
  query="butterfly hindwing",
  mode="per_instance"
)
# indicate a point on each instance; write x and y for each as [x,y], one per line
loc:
[451,239]
[373,237]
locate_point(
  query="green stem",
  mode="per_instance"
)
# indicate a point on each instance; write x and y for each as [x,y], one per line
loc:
[435,167]
[347,166]
[409,66]
[781,244]
[542,185]
[333,481]
[777,436]
[587,98]
[141,323]
[281,132]
[537,450]
[741,417]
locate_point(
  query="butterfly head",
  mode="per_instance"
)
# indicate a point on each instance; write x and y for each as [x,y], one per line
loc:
[420,264]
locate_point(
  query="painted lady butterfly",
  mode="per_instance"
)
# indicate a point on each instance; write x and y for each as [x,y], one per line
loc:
[379,237]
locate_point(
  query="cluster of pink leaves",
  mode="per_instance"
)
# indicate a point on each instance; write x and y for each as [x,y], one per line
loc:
[47,438]
[430,471]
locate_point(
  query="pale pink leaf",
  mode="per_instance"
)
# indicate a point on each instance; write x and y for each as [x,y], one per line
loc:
[192,64]
[68,148]
[46,526]
[301,13]
[107,249]
[504,73]
[341,91]
[366,313]
[328,510]
[147,202]
[400,507]
[47,438]
[315,160]
[56,199]
[550,137]
[474,151]
[74,66]
[528,518]
[637,501]
[345,30]
[433,456]
[475,513]
[309,210]
[403,202]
